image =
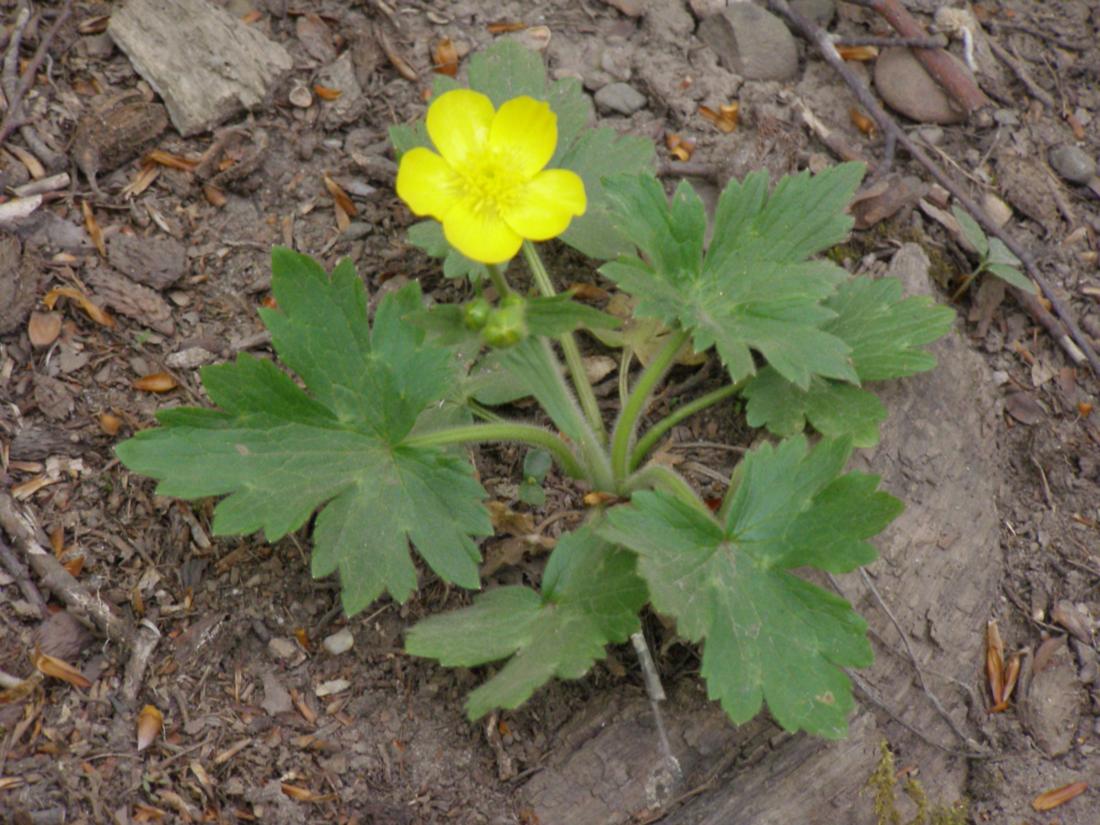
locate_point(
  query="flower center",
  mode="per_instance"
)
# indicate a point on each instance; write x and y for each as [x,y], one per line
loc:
[491,183]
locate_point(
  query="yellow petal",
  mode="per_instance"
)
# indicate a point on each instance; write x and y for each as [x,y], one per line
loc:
[544,206]
[524,135]
[458,124]
[479,233]
[427,183]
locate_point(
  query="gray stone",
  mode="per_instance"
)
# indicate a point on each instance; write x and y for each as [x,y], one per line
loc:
[907,88]
[205,63]
[751,42]
[1073,163]
[621,98]
[339,642]
[821,12]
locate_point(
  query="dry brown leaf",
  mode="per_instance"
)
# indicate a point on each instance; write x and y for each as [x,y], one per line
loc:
[57,541]
[302,635]
[162,158]
[725,119]
[340,197]
[43,328]
[507,520]
[505,27]
[147,813]
[1075,126]
[20,691]
[92,227]
[231,751]
[96,24]
[109,423]
[862,122]
[74,566]
[598,499]
[342,219]
[445,57]
[26,489]
[100,316]
[214,196]
[1084,409]
[589,292]
[148,173]
[859,53]
[156,382]
[9,782]
[300,794]
[326,92]
[150,723]
[1049,800]
[994,661]
[34,167]
[680,148]
[1024,408]
[395,58]
[252,16]
[59,669]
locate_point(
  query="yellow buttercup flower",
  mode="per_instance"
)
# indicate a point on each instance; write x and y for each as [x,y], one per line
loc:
[487,185]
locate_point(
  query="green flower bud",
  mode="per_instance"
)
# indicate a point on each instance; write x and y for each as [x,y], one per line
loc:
[476,313]
[507,325]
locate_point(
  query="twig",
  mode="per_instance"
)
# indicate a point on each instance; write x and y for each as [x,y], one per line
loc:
[146,642]
[17,570]
[1069,337]
[937,41]
[1022,74]
[23,532]
[16,92]
[687,169]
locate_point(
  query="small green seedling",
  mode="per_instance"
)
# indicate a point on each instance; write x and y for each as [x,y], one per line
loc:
[993,257]
[371,434]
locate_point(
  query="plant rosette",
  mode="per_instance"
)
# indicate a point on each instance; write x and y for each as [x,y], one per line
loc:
[371,434]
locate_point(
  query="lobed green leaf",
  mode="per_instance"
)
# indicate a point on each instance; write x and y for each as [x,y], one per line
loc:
[279,453]
[590,597]
[769,636]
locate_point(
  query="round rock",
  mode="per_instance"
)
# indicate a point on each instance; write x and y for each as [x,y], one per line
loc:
[620,98]
[1073,163]
[907,88]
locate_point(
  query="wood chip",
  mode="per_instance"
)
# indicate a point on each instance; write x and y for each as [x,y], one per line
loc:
[43,328]
[132,300]
[1059,796]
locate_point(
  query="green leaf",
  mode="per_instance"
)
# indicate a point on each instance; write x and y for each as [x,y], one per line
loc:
[532,363]
[1011,275]
[278,453]
[590,597]
[835,409]
[506,70]
[768,635]
[600,153]
[428,236]
[885,333]
[560,314]
[408,136]
[884,330]
[754,290]
[972,232]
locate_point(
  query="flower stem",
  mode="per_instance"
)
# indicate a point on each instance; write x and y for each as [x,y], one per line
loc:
[636,403]
[503,431]
[655,476]
[568,346]
[499,282]
[653,435]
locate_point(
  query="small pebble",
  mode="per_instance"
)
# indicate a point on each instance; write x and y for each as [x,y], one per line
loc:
[331,687]
[339,642]
[621,98]
[999,211]
[1072,163]
[282,648]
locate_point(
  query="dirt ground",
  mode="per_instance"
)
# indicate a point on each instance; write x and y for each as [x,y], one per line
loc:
[261,722]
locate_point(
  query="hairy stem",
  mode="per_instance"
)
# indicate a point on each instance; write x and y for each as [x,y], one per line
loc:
[498,279]
[569,347]
[503,431]
[646,442]
[636,403]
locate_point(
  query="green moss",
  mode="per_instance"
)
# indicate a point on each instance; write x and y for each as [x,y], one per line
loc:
[883,784]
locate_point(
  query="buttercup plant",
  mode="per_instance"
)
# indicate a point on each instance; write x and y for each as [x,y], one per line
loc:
[373,439]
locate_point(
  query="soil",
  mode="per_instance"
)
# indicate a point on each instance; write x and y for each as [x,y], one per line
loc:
[996,453]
